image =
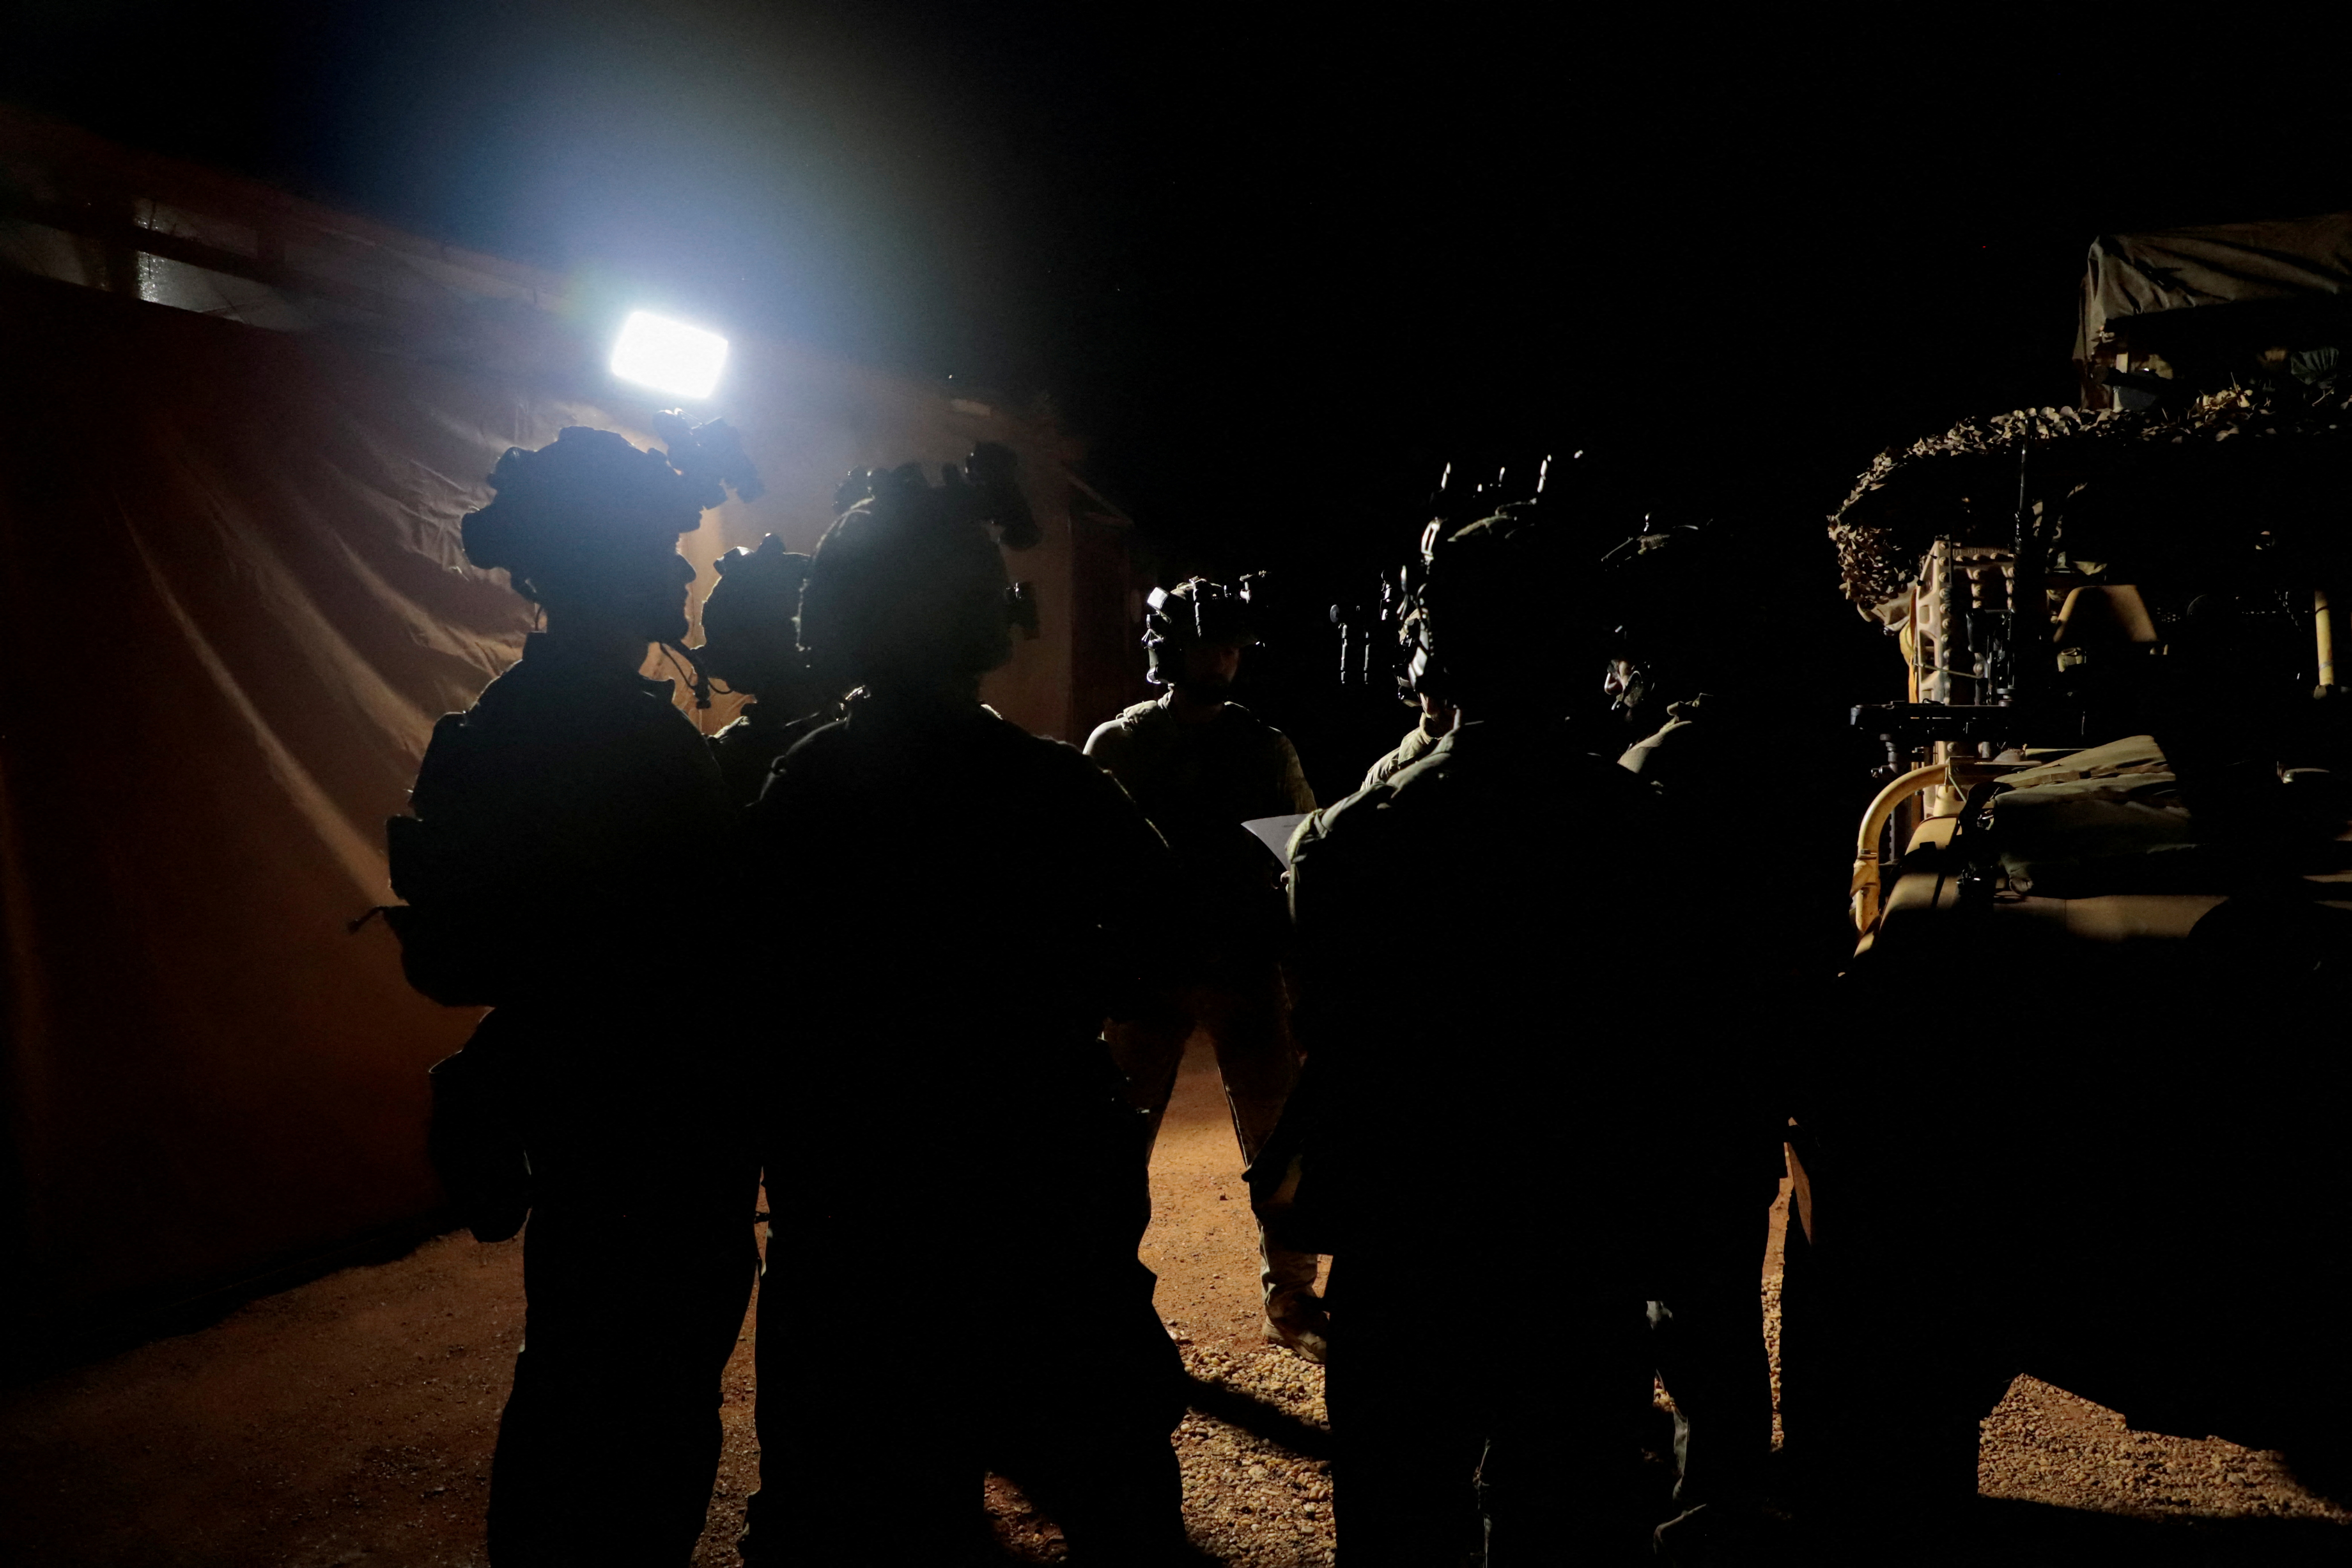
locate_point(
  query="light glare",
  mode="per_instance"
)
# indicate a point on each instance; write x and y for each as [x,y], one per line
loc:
[669,356]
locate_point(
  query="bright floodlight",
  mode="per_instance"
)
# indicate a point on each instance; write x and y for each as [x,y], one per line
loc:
[669,356]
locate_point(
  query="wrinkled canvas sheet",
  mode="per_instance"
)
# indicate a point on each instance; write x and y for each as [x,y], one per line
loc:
[233,603]
[2142,274]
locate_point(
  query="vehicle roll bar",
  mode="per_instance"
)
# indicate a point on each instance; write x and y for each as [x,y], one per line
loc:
[1866,869]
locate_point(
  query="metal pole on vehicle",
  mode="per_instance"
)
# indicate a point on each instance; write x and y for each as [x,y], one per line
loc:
[1940,583]
[1911,635]
[2029,636]
[2324,623]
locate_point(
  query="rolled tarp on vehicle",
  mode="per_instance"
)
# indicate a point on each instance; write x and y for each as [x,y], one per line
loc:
[2130,276]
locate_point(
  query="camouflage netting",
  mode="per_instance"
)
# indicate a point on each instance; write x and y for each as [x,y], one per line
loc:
[2152,476]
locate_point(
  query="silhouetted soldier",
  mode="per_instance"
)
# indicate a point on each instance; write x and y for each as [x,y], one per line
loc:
[952,1282]
[1712,723]
[556,824]
[1709,727]
[750,641]
[1669,598]
[1513,1106]
[1200,765]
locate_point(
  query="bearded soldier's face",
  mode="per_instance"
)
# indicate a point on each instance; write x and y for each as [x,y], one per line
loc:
[1210,668]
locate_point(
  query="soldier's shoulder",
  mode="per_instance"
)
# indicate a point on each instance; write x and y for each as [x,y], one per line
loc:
[449,730]
[518,704]
[1046,774]
[1359,824]
[818,754]
[1134,716]
[531,694]
[1124,726]
[1591,787]
[1612,778]
[1044,754]
[1417,744]
[515,687]
[445,764]
[1449,777]
[1241,718]
[823,740]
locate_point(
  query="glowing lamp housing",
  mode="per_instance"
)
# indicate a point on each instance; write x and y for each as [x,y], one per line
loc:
[669,356]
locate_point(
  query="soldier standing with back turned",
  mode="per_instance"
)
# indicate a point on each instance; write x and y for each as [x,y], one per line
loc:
[1513,1106]
[557,825]
[1200,765]
[947,1116]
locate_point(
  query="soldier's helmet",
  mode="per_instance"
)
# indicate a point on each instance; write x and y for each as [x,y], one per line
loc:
[570,514]
[588,508]
[749,631]
[1193,614]
[1498,610]
[1665,593]
[907,583]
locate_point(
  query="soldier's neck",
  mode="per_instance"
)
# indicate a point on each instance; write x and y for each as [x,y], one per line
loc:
[602,644]
[924,694]
[1191,710]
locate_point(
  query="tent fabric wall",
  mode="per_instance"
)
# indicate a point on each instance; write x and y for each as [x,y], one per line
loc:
[232,602]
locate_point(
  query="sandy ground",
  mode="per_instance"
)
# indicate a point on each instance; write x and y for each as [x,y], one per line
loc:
[350,1421]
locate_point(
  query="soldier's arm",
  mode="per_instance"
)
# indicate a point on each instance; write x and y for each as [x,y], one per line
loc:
[1339,893]
[1135,858]
[1130,871]
[1293,785]
[1110,748]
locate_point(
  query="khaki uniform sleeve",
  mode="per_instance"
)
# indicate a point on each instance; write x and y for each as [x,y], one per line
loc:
[1415,745]
[1294,777]
[1109,750]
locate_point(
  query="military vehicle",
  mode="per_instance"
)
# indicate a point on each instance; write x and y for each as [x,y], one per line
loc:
[2079,1112]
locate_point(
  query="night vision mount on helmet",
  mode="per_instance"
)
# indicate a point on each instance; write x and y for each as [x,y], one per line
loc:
[1491,607]
[1383,638]
[907,577]
[984,489]
[1197,613]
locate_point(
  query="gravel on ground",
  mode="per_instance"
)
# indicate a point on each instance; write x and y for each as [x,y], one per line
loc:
[350,1422]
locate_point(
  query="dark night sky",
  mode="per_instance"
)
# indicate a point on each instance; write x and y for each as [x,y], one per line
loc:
[1277,270]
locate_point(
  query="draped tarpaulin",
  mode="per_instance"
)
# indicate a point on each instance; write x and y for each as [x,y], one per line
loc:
[232,602]
[2136,275]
